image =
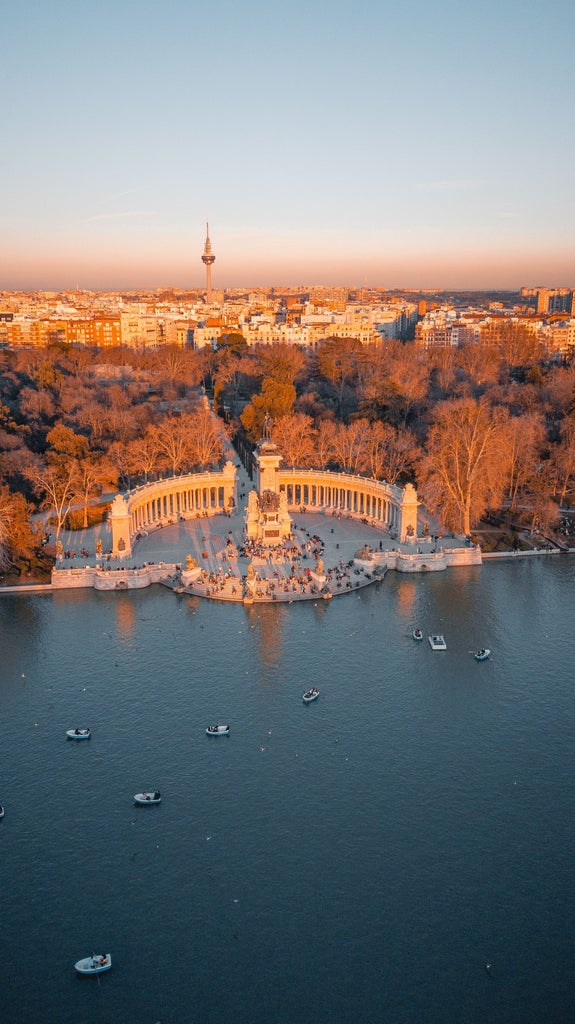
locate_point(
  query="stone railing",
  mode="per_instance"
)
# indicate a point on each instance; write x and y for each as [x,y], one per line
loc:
[99,578]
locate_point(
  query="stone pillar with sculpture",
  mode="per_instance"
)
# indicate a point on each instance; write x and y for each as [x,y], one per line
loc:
[119,520]
[408,514]
[229,480]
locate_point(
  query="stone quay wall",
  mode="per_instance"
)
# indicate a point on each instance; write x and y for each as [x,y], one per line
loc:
[431,561]
[113,579]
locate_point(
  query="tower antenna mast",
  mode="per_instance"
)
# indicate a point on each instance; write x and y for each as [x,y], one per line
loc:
[208,258]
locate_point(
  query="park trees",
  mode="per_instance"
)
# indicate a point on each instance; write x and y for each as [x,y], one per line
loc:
[443,366]
[294,437]
[462,473]
[64,442]
[407,376]
[390,452]
[17,537]
[171,437]
[517,345]
[233,341]
[37,408]
[92,471]
[205,438]
[480,363]
[71,453]
[284,363]
[563,460]
[232,375]
[175,368]
[325,442]
[521,453]
[349,445]
[275,400]
[55,485]
[179,443]
[338,360]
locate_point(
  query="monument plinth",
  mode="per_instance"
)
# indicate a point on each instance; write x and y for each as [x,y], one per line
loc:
[268,521]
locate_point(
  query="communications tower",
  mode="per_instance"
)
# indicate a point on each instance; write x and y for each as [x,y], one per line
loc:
[208,258]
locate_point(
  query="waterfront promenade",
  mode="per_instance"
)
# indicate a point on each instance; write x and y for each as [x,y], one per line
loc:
[322,560]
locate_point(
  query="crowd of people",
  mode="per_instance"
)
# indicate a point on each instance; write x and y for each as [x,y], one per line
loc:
[274,573]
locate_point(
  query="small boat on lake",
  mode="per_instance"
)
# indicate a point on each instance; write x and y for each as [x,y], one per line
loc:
[78,734]
[310,695]
[218,730]
[94,964]
[437,642]
[482,654]
[417,634]
[153,797]
[1,811]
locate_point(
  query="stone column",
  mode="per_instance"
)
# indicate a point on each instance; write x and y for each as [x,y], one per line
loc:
[229,480]
[408,514]
[120,522]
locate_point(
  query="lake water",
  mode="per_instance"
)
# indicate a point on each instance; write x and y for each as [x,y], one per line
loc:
[359,859]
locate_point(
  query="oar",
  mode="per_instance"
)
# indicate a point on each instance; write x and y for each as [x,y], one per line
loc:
[97,975]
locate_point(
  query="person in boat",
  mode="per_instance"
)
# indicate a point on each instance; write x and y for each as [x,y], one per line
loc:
[156,795]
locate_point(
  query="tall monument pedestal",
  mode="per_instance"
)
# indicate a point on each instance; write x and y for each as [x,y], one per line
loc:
[268,521]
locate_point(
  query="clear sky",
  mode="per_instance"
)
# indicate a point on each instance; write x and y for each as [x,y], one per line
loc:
[394,143]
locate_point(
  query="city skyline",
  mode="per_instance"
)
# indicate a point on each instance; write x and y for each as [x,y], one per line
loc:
[419,147]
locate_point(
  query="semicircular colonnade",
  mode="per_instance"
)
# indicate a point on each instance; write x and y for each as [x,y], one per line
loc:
[163,502]
[384,505]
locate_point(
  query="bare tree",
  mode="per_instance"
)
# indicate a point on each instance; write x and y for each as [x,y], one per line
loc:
[325,442]
[563,460]
[294,437]
[56,484]
[338,360]
[463,472]
[92,471]
[390,452]
[350,445]
[524,440]
[205,436]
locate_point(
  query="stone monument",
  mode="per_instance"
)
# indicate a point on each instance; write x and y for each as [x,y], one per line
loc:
[268,521]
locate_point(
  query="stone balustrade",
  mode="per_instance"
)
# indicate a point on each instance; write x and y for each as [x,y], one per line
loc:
[112,579]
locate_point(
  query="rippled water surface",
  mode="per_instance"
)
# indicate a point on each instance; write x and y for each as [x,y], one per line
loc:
[358,859]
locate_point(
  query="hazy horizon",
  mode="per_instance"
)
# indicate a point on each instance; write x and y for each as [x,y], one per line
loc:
[380,146]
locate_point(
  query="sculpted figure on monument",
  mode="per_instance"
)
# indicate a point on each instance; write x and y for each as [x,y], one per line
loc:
[267,427]
[269,502]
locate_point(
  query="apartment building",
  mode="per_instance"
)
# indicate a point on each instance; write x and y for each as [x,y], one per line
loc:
[555,300]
